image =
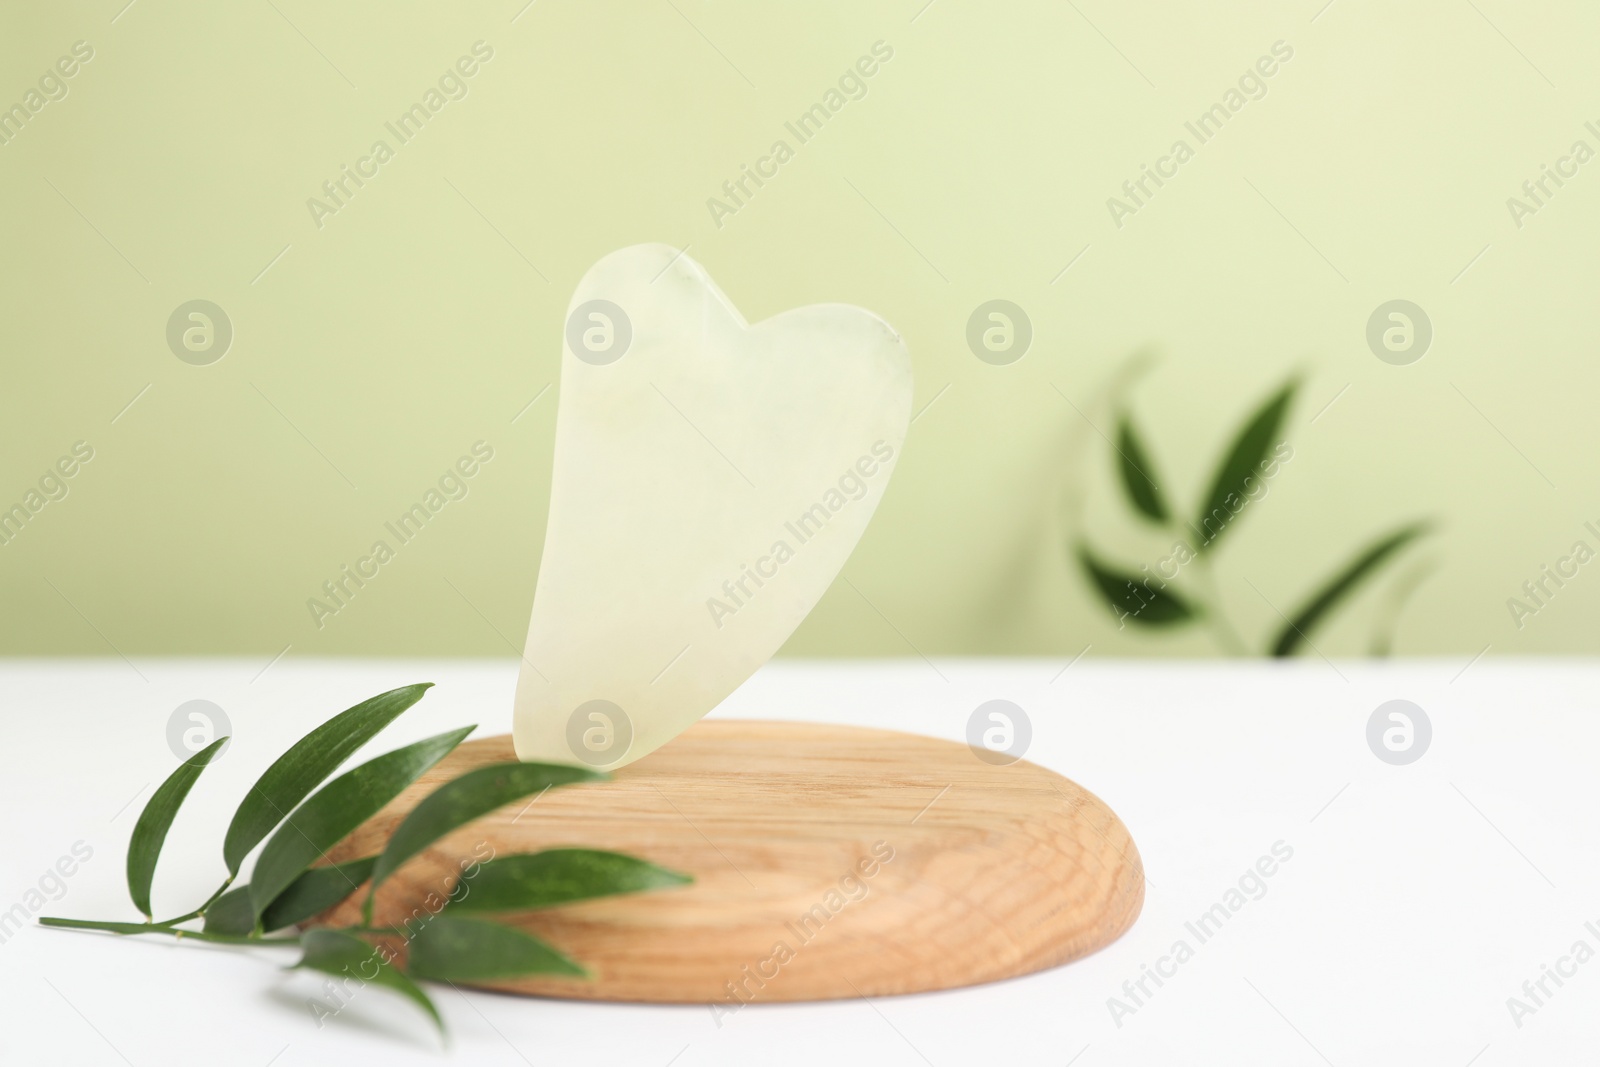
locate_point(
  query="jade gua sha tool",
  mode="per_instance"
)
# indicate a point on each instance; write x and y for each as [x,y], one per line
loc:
[711,478]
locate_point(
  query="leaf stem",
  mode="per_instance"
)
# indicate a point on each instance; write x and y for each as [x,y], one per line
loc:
[1227,636]
[162,928]
[235,939]
[201,910]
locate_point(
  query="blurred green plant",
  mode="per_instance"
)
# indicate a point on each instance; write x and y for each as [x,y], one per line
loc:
[1155,600]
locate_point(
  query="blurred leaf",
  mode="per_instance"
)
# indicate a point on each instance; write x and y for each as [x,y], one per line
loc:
[306,765]
[559,876]
[346,956]
[468,950]
[1299,627]
[1400,593]
[1255,443]
[1138,473]
[339,807]
[231,913]
[150,832]
[463,799]
[1128,597]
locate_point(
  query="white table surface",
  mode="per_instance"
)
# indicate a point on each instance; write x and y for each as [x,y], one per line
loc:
[1418,899]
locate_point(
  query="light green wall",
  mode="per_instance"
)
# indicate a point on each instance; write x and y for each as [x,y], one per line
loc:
[415,321]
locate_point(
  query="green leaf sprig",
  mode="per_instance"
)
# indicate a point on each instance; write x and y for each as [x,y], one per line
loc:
[1154,601]
[300,822]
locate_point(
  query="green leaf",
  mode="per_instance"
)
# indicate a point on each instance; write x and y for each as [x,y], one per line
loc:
[558,876]
[1298,628]
[338,808]
[463,799]
[346,956]
[308,896]
[1251,448]
[150,832]
[1138,477]
[469,950]
[315,891]
[1129,597]
[231,913]
[306,765]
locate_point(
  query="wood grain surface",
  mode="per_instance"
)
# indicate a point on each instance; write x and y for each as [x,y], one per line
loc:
[829,861]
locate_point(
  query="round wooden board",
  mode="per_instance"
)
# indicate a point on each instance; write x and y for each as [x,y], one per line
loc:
[829,861]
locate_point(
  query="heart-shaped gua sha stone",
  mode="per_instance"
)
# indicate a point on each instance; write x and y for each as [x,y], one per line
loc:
[711,478]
